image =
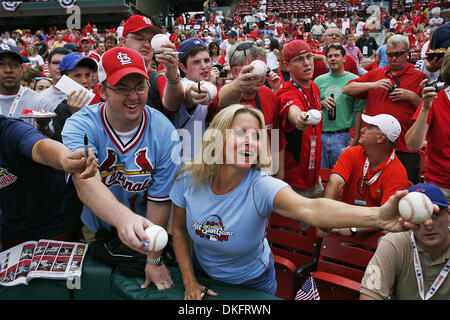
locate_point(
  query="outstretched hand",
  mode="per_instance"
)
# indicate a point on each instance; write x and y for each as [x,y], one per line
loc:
[390,215]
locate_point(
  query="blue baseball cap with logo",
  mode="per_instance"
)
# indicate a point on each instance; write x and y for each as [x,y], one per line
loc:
[432,191]
[71,60]
[188,44]
[6,49]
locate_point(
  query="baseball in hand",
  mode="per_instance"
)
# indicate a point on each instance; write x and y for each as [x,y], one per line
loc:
[314,116]
[158,237]
[212,90]
[259,67]
[415,207]
[158,40]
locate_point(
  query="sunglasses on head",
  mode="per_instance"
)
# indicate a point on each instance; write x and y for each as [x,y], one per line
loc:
[244,47]
[395,54]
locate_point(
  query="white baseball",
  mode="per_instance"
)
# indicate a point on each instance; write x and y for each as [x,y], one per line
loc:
[259,67]
[158,237]
[212,90]
[158,40]
[415,207]
[314,116]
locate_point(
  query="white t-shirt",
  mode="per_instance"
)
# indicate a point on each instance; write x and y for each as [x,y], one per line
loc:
[272,60]
[30,100]
[193,123]
[421,66]
[36,61]
[55,96]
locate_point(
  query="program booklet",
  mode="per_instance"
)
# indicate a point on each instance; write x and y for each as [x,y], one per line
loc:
[48,259]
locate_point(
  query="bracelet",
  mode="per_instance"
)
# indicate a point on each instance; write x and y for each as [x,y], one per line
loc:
[156,262]
[174,81]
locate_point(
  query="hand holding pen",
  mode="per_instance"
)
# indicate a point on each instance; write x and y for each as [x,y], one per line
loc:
[81,161]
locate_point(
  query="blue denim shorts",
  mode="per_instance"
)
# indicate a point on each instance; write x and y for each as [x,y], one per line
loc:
[266,282]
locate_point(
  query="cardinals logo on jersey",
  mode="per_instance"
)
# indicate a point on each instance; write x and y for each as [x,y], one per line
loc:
[107,164]
[133,172]
[6,178]
[143,162]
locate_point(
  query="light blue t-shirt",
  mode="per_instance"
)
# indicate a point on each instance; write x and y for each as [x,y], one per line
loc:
[228,230]
[383,56]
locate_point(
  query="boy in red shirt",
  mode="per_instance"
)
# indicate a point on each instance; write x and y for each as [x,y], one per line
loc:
[304,146]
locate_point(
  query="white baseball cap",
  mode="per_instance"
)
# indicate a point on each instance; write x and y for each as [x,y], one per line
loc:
[386,123]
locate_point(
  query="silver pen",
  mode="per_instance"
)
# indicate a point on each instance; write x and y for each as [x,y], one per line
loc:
[86,147]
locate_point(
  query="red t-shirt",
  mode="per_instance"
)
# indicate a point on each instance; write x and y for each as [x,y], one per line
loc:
[378,101]
[298,172]
[438,141]
[320,67]
[271,111]
[350,166]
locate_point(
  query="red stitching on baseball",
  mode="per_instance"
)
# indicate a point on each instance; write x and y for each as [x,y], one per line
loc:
[408,201]
[425,204]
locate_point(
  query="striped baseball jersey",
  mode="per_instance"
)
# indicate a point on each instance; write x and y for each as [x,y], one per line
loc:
[136,171]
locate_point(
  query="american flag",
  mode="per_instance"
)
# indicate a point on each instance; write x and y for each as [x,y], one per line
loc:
[308,291]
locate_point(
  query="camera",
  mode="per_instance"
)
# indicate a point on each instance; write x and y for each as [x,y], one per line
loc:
[223,71]
[438,85]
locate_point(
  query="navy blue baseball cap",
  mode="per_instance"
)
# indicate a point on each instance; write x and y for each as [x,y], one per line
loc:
[188,44]
[10,50]
[432,191]
[71,60]
[71,46]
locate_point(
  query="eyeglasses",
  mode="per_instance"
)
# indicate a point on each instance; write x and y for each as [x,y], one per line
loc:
[140,39]
[395,54]
[125,91]
[13,65]
[337,35]
[244,46]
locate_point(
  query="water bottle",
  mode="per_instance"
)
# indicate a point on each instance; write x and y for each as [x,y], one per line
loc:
[332,113]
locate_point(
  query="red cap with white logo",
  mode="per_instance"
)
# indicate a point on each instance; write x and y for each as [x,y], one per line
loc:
[118,62]
[136,23]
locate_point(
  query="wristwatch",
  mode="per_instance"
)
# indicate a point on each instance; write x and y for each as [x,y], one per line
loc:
[353,231]
[156,262]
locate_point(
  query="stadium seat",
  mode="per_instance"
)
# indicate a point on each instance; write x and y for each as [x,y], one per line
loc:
[340,265]
[293,244]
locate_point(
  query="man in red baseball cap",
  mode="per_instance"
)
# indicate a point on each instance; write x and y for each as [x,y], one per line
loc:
[135,146]
[138,32]
[297,97]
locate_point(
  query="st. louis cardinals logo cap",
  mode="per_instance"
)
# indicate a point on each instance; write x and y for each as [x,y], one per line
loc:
[432,191]
[136,23]
[118,62]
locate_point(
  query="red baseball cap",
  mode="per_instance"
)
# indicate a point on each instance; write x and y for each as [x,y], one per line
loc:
[366,27]
[118,62]
[295,48]
[136,23]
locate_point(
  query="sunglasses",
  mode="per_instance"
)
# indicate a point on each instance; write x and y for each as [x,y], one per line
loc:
[362,186]
[43,78]
[395,54]
[244,47]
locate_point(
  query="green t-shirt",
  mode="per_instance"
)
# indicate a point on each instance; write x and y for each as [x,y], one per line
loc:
[345,105]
